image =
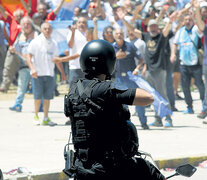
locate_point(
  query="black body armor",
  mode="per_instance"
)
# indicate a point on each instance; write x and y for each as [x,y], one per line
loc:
[99,127]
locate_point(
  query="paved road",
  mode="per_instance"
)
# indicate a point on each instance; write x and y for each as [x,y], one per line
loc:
[40,148]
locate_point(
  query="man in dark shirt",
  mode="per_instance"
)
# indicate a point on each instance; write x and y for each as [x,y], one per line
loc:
[126,53]
[155,60]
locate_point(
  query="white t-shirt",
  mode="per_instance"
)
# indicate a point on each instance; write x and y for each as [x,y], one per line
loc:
[43,51]
[79,42]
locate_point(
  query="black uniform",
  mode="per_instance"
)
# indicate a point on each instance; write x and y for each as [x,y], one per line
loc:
[104,139]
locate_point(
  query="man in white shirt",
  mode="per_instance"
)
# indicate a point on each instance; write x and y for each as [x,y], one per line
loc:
[41,52]
[76,41]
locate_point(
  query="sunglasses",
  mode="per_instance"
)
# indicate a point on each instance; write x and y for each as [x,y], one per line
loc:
[92,6]
[109,32]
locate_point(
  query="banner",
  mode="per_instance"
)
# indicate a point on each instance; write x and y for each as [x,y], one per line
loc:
[66,12]
[160,104]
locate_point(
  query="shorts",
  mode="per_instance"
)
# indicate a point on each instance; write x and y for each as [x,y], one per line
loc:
[43,87]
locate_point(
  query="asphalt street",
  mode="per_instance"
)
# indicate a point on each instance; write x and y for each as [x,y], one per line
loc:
[39,149]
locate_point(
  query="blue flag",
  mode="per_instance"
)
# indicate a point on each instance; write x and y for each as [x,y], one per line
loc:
[160,104]
[66,11]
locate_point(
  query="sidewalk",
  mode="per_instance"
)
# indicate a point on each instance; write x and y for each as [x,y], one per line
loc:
[40,148]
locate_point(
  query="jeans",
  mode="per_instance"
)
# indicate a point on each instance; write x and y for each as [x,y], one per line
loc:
[157,80]
[125,83]
[187,72]
[75,74]
[170,88]
[2,60]
[11,65]
[23,80]
[205,84]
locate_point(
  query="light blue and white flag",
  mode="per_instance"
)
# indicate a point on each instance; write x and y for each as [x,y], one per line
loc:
[59,34]
[66,12]
[181,3]
[101,24]
[160,104]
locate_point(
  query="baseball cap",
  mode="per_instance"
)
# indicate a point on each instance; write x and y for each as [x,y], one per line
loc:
[36,15]
[152,22]
[115,6]
[145,15]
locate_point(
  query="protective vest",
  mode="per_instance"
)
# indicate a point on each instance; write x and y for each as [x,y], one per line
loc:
[89,118]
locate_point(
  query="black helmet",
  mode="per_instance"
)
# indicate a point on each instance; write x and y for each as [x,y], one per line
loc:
[98,57]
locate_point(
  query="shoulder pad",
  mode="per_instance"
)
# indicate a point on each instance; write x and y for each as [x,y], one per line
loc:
[119,86]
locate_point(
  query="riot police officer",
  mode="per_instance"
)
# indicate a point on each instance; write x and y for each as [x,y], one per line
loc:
[104,138]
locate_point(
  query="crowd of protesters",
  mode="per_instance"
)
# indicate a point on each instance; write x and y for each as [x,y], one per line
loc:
[158,40]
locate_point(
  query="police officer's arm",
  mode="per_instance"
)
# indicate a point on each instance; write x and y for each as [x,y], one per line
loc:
[142,98]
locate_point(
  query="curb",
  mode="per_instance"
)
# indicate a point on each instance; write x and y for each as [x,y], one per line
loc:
[174,163]
[165,163]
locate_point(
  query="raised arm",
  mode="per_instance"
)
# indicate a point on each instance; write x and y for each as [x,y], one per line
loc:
[198,20]
[99,9]
[179,19]
[72,38]
[168,25]
[57,9]
[135,31]
[160,15]
[3,12]
[95,31]
[136,14]
[26,6]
